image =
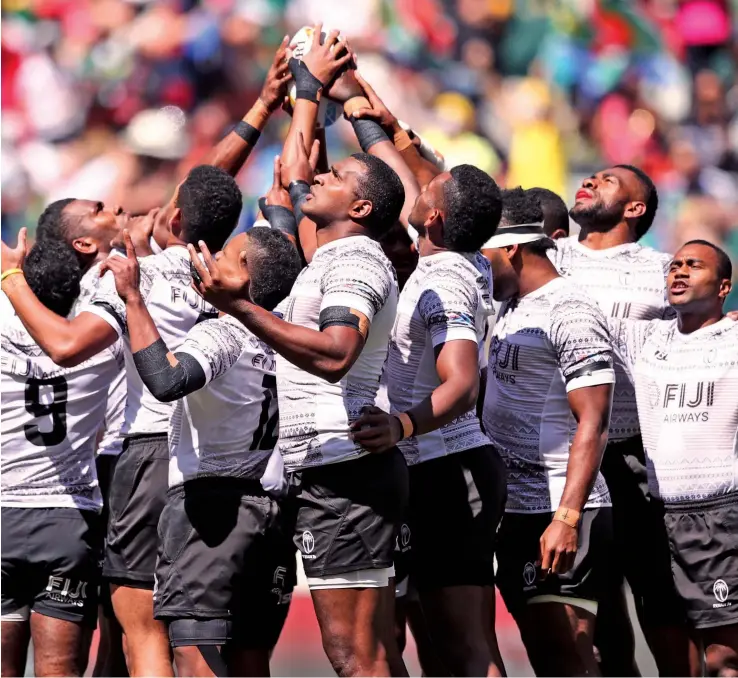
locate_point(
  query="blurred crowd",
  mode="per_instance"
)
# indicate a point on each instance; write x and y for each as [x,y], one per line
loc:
[116,99]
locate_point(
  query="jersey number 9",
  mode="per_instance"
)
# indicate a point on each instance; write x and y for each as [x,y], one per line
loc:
[56,410]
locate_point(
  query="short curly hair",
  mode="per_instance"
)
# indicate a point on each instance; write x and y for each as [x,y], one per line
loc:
[472,208]
[555,211]
[53,223]
[211,204]
[381,186]
[53,273]
[273,264]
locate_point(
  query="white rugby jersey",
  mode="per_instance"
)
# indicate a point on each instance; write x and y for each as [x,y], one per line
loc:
[51,417]
[687,391]
[447,298]
[230,426]
[111,442]
[545,344]
[175,308]
[627,281]
[315,415]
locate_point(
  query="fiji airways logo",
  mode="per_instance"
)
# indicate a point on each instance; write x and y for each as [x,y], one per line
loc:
[308,544]
[720,590]
[63,590]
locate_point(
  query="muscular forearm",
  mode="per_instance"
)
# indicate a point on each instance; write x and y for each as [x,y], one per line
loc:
[142,331]
[232,151]
[450,400]
[168,377]
[422,170]
[304,117]
[56,335]
[315,352]
[585,457]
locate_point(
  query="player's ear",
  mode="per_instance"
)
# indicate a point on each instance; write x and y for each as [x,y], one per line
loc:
[511,251]
[559,233]
[86,246]
[175,222]
[635,209]
[725,288]
[360,209]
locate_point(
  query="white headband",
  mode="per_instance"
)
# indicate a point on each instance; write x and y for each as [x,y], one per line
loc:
[518,234]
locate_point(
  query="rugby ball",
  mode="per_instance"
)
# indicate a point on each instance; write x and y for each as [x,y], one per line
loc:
[328,111]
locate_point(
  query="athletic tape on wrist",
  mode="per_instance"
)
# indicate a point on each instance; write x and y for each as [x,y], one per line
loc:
[247,132]
[368,133]
[354,104]
[307,86]
[280,218]
[298,191]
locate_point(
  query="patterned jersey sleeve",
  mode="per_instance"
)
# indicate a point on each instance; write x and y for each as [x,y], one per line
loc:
[448,306]
[106,304]
[216,344]
[359,279]
[581,338]
[630,336]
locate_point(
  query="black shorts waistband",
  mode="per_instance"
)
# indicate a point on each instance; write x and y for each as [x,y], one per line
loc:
[702,504]
[138,438]
[246,486]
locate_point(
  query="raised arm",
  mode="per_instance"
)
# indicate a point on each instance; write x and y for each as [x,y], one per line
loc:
[169,376]
[66,342]
[329,352]
[234,149]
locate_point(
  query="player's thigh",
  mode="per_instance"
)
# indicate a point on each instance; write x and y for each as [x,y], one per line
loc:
[60,647]
[14,650]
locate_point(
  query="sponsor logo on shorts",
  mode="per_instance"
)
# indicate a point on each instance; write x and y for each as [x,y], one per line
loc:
[308,544]
[67,591]
[529,576]
[283,598]
[720,590]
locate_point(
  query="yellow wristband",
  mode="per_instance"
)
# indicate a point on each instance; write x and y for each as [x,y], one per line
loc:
[9,272]
[354,104]
[402,140]
[568,516]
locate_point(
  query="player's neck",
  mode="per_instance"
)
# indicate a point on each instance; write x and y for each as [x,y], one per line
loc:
[535,273]
[174,241]
[426,247]
[339,230]
[602,240]
[691,322]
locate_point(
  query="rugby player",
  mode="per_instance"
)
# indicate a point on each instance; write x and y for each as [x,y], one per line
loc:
[686,379]
[555,213]
[614,209]
[208,204]
[433,380]
[225,570]
[547,408]
[51,524]
[331,345]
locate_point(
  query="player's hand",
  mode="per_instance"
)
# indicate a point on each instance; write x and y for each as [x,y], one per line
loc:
[125,270]
[558,548]
[303,166]
[140,229]
[277,195]
[14,257]
[378,112]
[275,86]
[322,61]
[345,86]
[376,430]
[220,283]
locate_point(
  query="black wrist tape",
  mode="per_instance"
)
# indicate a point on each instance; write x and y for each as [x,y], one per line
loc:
[298,191]
[279,217]
[247,132]
[368,133]
[307,86]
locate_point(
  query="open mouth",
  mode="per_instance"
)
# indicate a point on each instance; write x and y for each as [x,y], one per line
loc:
[679,287]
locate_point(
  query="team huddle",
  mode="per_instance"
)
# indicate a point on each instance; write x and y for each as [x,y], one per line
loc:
[416,381]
